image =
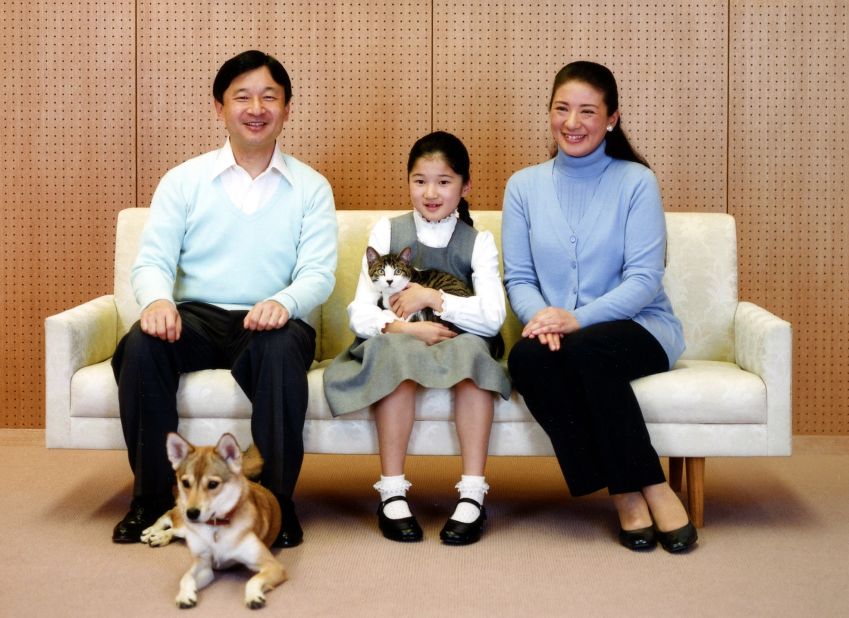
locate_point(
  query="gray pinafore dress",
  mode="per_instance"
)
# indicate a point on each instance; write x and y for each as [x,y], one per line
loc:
[373,368]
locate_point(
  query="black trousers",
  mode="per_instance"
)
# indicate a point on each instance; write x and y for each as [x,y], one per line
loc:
[582,397]
[270,367]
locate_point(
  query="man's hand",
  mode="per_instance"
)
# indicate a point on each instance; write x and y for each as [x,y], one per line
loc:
[161,319]
[266,315]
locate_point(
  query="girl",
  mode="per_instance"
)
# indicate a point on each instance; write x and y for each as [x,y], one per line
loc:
[584,240]
[391,355]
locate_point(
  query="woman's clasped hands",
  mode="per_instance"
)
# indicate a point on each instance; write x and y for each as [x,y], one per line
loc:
[549,325]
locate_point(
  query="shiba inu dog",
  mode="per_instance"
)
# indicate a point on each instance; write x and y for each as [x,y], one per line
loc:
[225,518]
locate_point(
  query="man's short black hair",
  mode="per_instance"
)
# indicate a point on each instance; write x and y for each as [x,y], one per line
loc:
[248,61]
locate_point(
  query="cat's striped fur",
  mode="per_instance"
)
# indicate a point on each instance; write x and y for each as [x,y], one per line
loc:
[392,272]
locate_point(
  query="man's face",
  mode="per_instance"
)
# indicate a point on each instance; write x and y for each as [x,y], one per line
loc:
[253,111]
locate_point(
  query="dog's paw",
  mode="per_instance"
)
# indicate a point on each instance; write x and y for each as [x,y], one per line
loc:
[186,600]
[255,602]
[157,538]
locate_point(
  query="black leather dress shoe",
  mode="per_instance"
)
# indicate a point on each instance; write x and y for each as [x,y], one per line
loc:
[459,533]
[143,513]
[287,538]
[404,530]
[642,538]
[679,539]
[291,534]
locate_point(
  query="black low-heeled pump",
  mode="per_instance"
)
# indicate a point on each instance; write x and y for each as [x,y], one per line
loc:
[678,540]
[638,540]
[459,533]
[404,530]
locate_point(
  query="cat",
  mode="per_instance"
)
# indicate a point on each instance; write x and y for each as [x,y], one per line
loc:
[392,272]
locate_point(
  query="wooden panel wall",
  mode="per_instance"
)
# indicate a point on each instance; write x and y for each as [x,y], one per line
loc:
[360,76]
[739,107]
[68,163]
[787,187]
[495,63]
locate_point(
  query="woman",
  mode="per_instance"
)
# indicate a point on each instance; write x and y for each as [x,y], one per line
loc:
[584,241]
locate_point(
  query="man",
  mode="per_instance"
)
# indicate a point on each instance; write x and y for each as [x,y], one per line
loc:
[239,248]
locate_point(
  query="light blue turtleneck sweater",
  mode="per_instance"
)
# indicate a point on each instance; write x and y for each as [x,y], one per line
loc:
[588,234]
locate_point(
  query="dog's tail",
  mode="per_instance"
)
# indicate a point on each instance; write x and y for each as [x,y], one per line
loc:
[252,462]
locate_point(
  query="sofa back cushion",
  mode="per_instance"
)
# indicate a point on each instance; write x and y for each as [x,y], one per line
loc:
[701,277]
[701,281]
[127,238]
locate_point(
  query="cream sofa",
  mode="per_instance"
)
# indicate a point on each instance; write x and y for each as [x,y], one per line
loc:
[729,395]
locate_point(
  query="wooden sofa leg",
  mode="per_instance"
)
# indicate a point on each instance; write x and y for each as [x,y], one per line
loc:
[676,472]
[696,490]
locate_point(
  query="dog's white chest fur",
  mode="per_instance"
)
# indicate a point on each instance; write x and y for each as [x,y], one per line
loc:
[225,544]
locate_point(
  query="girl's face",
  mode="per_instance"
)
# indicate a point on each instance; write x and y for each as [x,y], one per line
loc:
[579,118]
[436,189]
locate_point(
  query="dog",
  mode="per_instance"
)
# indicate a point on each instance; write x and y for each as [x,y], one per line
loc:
[225,518]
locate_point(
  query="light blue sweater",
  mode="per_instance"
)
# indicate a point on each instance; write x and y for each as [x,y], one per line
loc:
[198,246]
[588,234]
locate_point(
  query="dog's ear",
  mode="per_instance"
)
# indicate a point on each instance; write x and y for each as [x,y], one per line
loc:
[178,449]
[230,452]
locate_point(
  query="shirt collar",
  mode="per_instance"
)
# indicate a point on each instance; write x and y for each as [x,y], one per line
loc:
[226,160]
[448,223]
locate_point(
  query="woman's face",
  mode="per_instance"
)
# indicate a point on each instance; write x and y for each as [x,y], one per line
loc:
[579,118]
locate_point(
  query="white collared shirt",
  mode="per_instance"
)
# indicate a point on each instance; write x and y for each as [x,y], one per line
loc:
[249,194]
[481,314]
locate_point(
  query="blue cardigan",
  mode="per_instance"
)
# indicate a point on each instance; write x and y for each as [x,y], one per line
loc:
[610,265]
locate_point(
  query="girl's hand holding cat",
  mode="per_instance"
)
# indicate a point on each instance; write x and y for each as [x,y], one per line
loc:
[428,332]
[413,298]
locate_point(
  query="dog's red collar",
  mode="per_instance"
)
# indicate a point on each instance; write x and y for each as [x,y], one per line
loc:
[218,522]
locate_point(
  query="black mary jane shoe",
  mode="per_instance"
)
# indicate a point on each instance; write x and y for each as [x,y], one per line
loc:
[639,539]
[678,540]
[459,533]
[404,530]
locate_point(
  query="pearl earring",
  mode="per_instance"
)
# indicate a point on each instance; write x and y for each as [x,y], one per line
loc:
[609,128]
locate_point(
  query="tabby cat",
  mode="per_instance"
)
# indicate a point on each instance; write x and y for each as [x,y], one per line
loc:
[392,272]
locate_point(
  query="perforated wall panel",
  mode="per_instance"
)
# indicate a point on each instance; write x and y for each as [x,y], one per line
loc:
[738,106]
[68,154]
[787,188]
[360,74]
[495,63]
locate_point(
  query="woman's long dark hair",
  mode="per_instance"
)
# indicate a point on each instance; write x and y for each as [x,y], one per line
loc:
[455,155]
[599,77]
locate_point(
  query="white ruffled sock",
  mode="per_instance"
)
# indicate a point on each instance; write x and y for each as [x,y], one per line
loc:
[473,487]
[390,486]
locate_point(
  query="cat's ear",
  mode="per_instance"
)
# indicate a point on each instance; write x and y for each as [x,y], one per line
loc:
[371,255]
[406,255]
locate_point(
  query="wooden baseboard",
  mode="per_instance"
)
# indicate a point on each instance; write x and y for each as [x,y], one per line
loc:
[21,437]
[823,445]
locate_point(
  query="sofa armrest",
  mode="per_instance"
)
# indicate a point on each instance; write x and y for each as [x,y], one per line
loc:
[763,345]
[76,338]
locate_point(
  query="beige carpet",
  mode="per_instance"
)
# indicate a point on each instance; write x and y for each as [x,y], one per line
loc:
[775,543]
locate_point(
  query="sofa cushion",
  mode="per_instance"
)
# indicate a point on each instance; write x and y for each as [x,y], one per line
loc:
[693,392]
